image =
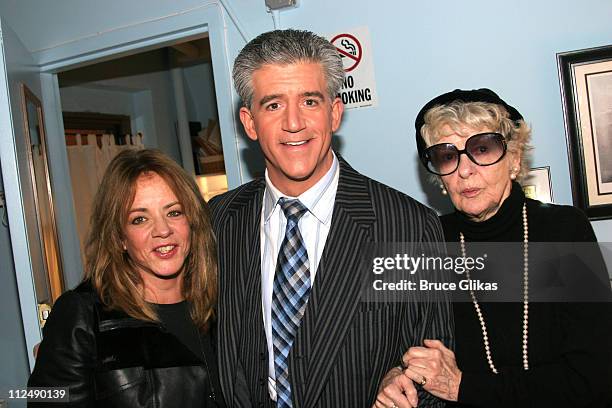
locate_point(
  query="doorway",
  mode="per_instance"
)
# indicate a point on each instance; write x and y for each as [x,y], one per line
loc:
[164,97]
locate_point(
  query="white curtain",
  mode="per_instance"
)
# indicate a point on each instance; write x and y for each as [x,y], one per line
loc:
[87,165]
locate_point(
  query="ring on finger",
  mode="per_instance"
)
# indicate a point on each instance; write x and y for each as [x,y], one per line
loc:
[423,381]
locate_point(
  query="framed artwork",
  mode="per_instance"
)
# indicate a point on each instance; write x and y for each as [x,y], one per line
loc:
[537,185]
[586,89]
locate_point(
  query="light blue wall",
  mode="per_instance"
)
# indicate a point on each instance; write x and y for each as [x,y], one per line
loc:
[13,353]
[422,49]
[200,93]
[102,100]
[21,240]
[44,25]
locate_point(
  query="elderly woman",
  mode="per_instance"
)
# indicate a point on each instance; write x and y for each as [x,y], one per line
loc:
[514,354]
[138,332]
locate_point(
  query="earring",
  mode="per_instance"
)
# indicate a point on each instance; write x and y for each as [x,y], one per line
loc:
[513,173]
[443,189]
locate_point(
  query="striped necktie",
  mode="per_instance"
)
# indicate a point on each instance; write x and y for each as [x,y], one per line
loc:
[289,296]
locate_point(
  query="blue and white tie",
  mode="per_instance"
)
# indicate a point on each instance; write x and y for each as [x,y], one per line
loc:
[289,296]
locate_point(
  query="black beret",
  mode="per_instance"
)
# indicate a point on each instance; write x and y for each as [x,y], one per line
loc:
[475,95]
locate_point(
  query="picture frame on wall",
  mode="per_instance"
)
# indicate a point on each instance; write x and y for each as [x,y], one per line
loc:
[585,78]
[537,184]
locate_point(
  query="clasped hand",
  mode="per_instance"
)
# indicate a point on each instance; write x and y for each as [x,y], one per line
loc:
[434,366]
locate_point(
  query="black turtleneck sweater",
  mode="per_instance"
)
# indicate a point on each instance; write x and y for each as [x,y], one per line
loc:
[569,344]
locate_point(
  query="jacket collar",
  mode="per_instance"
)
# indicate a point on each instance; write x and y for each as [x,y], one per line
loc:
[337,289]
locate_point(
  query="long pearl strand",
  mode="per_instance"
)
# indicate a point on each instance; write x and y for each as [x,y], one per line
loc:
[483,326]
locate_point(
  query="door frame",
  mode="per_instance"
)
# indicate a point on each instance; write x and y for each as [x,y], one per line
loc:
[194,23]
[207,19]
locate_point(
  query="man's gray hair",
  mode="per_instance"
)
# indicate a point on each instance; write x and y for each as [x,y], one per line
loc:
[284,47]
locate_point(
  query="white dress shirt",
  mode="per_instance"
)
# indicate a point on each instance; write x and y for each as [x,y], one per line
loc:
[314,227]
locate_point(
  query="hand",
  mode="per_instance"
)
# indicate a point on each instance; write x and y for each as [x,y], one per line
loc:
[396,390]
[436,365]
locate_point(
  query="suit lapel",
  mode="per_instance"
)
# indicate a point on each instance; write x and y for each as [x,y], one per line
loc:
[240,281]
[337,288]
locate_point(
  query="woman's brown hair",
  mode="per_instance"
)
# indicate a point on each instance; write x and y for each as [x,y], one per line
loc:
[109,268]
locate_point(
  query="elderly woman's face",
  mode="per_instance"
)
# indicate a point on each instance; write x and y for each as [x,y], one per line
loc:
[477,191]
[157,234]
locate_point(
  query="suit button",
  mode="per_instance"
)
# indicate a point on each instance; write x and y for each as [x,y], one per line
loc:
[262,382]
[262,356]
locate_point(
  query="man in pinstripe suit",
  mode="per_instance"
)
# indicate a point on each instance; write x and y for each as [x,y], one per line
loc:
[341,347]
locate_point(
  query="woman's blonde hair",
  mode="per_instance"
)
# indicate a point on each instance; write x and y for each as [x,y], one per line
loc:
[109,268]
[479,115]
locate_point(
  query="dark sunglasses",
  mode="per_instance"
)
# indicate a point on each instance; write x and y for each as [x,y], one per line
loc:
[484,149]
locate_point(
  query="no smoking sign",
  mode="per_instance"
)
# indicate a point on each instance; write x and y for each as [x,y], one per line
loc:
[359,87]
[350,50]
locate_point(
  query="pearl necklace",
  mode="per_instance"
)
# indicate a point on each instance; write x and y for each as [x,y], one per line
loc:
[525,297]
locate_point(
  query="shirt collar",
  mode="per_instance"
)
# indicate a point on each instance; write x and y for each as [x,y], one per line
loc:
[314,198]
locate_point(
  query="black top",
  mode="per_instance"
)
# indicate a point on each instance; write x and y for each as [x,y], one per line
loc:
[569,349]
[175,317]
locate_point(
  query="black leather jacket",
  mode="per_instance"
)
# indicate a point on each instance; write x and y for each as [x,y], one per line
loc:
[108,359]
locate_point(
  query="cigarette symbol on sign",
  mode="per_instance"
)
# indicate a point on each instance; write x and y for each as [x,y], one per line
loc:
[350,51]
[346,44]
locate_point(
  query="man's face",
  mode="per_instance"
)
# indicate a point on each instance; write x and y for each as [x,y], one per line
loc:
[293,118]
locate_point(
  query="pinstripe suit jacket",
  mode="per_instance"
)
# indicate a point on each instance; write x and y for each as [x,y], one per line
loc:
[344,346]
